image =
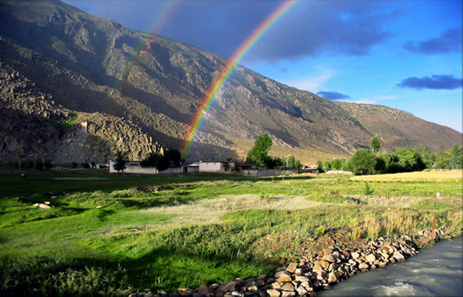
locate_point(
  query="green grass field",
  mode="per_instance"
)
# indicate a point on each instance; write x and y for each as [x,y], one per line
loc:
[113,233]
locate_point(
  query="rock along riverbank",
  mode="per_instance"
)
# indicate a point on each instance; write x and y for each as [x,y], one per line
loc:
[316,271]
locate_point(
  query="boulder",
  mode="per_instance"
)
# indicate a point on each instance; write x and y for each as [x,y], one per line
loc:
[273,293]
[275,285]
[281,273]
[288,294]
[321,265]
[363,266]
[291,267]
[370,258]
[329,258]
[203,290]
[227,286]
[332,278]
[301,291]
[284,278]
[288,287]
[399,257]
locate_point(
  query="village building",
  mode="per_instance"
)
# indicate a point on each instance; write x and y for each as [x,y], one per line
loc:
[203,166]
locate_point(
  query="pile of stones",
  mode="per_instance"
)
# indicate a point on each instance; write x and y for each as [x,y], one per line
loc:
[315,271]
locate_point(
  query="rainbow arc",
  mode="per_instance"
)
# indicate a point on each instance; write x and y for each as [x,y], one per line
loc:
[227,70]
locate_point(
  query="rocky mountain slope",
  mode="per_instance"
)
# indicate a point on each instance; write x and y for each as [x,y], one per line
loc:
[138,92]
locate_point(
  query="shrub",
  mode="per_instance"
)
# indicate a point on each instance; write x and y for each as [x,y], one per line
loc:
[38,164]
[121,161]
[363,162]
[48,165]
[367,191]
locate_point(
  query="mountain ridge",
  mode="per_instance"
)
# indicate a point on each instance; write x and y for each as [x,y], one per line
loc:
[96,66]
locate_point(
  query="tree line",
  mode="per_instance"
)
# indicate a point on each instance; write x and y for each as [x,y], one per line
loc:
[161,162]
[374,161]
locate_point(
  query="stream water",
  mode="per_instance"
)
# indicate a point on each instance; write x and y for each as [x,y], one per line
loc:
[435,271]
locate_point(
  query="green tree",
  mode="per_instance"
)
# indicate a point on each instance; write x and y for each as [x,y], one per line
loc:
[150,160]
[390,161]
[427,156]
[375,144]
[174,156]
[162,163]
[337,164]
[455,155]
[363,162]
[23,164]
[409,160]
[39,164]
[294,163]
[48,164]
[274,162]
[121,161]
[320,167]
[258,155]
[327,165]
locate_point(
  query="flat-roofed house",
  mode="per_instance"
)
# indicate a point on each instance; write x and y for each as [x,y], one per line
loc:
[210,166]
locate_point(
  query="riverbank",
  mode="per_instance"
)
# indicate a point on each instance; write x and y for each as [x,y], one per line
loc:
[333,258]
[436,271]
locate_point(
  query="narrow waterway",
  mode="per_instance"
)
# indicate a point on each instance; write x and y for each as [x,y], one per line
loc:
[435,271]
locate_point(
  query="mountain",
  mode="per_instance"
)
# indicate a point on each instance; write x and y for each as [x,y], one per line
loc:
[85,86]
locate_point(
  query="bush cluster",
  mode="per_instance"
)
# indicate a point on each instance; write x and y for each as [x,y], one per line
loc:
[38,164]
[171,157]
[367,161]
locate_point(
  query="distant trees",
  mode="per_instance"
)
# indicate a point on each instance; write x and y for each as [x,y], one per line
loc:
[258,155]
[293,163]
[162,162]
[365,161]
[38,164]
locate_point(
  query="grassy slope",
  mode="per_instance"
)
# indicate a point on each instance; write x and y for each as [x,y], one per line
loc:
[182,231]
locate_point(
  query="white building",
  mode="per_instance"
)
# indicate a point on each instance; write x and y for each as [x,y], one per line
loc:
[210,166]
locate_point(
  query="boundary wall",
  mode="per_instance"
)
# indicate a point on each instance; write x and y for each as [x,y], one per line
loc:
[269,172]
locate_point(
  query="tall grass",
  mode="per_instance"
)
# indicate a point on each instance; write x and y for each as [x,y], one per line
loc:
[373,226]
[59,277]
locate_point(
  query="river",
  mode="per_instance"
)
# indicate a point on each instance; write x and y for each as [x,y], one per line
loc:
[435,271]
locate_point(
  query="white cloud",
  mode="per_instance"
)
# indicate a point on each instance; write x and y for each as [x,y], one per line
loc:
[312,84]
[373,100]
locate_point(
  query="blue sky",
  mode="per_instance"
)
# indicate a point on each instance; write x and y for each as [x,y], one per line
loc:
[402,54]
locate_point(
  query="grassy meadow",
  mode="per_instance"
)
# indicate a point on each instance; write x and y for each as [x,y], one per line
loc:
[111,234]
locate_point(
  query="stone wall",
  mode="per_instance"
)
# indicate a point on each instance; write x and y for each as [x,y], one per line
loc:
[269,172]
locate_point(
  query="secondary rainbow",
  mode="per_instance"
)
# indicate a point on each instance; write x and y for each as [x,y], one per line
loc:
[160,17]
[226,71]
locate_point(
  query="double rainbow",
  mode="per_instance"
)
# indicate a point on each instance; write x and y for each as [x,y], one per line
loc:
[226,71]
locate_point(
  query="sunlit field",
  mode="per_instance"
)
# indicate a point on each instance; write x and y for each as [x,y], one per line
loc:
[124,233]
[435,175]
